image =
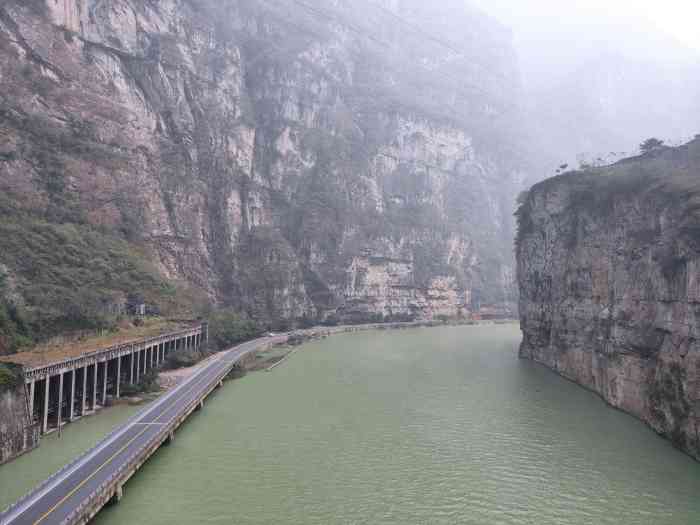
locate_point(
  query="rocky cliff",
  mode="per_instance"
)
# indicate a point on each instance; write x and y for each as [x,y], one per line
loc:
[287,158]
[18,433]
[608,265]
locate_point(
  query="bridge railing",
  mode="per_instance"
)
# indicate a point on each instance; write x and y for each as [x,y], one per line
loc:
[110,485]
[120,347]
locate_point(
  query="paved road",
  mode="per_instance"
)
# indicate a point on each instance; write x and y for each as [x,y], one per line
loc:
[55,500]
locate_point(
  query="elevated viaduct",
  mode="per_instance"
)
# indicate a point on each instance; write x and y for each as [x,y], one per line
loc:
[59,391]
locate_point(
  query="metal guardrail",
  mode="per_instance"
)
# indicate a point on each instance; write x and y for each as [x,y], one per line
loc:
[108,487]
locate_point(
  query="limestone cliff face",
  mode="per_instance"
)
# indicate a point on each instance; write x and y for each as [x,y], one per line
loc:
[609,274]
[286,157]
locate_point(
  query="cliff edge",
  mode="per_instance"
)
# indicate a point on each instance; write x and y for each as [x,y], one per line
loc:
[608,266]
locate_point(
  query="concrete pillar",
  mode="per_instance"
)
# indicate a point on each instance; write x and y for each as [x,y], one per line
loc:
[104,383]
[94,386]
[138,364]
[119,377]
[83,406]
[132,362]
[154,361]
[31,400]
[45,423]
[72,396]
[60,400]
[118,494]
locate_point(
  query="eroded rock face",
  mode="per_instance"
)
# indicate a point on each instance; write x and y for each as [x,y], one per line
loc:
[278,159]
[608,268]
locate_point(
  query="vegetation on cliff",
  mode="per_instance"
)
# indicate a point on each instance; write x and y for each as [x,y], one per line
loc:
[63,277]
[10,377]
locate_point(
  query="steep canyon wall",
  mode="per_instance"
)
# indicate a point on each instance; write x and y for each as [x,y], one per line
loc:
[285,158]
[608,267]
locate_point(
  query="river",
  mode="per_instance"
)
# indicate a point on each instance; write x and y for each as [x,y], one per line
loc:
[419,426]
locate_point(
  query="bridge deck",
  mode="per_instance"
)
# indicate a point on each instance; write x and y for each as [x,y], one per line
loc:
[79,490]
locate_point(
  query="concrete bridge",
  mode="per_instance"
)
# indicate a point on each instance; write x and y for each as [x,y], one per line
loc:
[63,391]
[78,491]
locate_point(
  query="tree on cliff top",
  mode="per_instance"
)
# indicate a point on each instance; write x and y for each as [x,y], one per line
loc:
[650,145]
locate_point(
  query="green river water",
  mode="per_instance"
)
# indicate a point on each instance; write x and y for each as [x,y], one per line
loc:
[420,426]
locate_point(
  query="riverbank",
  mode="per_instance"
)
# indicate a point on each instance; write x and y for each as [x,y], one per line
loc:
[268,359]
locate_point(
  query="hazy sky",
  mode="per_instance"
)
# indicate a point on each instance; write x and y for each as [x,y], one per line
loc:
[555,37]
[678,18]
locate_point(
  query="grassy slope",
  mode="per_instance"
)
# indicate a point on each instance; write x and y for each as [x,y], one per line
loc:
[58,277]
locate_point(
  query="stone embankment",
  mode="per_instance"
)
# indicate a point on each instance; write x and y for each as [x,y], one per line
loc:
[609,276]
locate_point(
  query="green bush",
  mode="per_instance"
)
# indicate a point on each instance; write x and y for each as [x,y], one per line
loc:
[228,328]
[148,383]
[10,377]
[183,359]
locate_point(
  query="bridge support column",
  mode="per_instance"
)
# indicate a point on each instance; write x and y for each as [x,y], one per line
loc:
[60,400]
[118,494]
[72,396]
[138,364]
[119,377]
[154,356]
[104,384]
[45,422]
[31,400]
[131,367]
[94,385]
[83,406]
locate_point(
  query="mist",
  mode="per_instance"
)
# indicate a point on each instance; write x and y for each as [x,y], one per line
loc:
[599,79]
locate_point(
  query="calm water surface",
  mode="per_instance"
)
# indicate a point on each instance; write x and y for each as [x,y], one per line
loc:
[422,426]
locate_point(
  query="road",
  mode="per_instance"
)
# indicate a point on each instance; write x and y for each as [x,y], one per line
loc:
[58,498]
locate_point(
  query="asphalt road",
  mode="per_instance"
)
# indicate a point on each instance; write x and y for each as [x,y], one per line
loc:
[57,498]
